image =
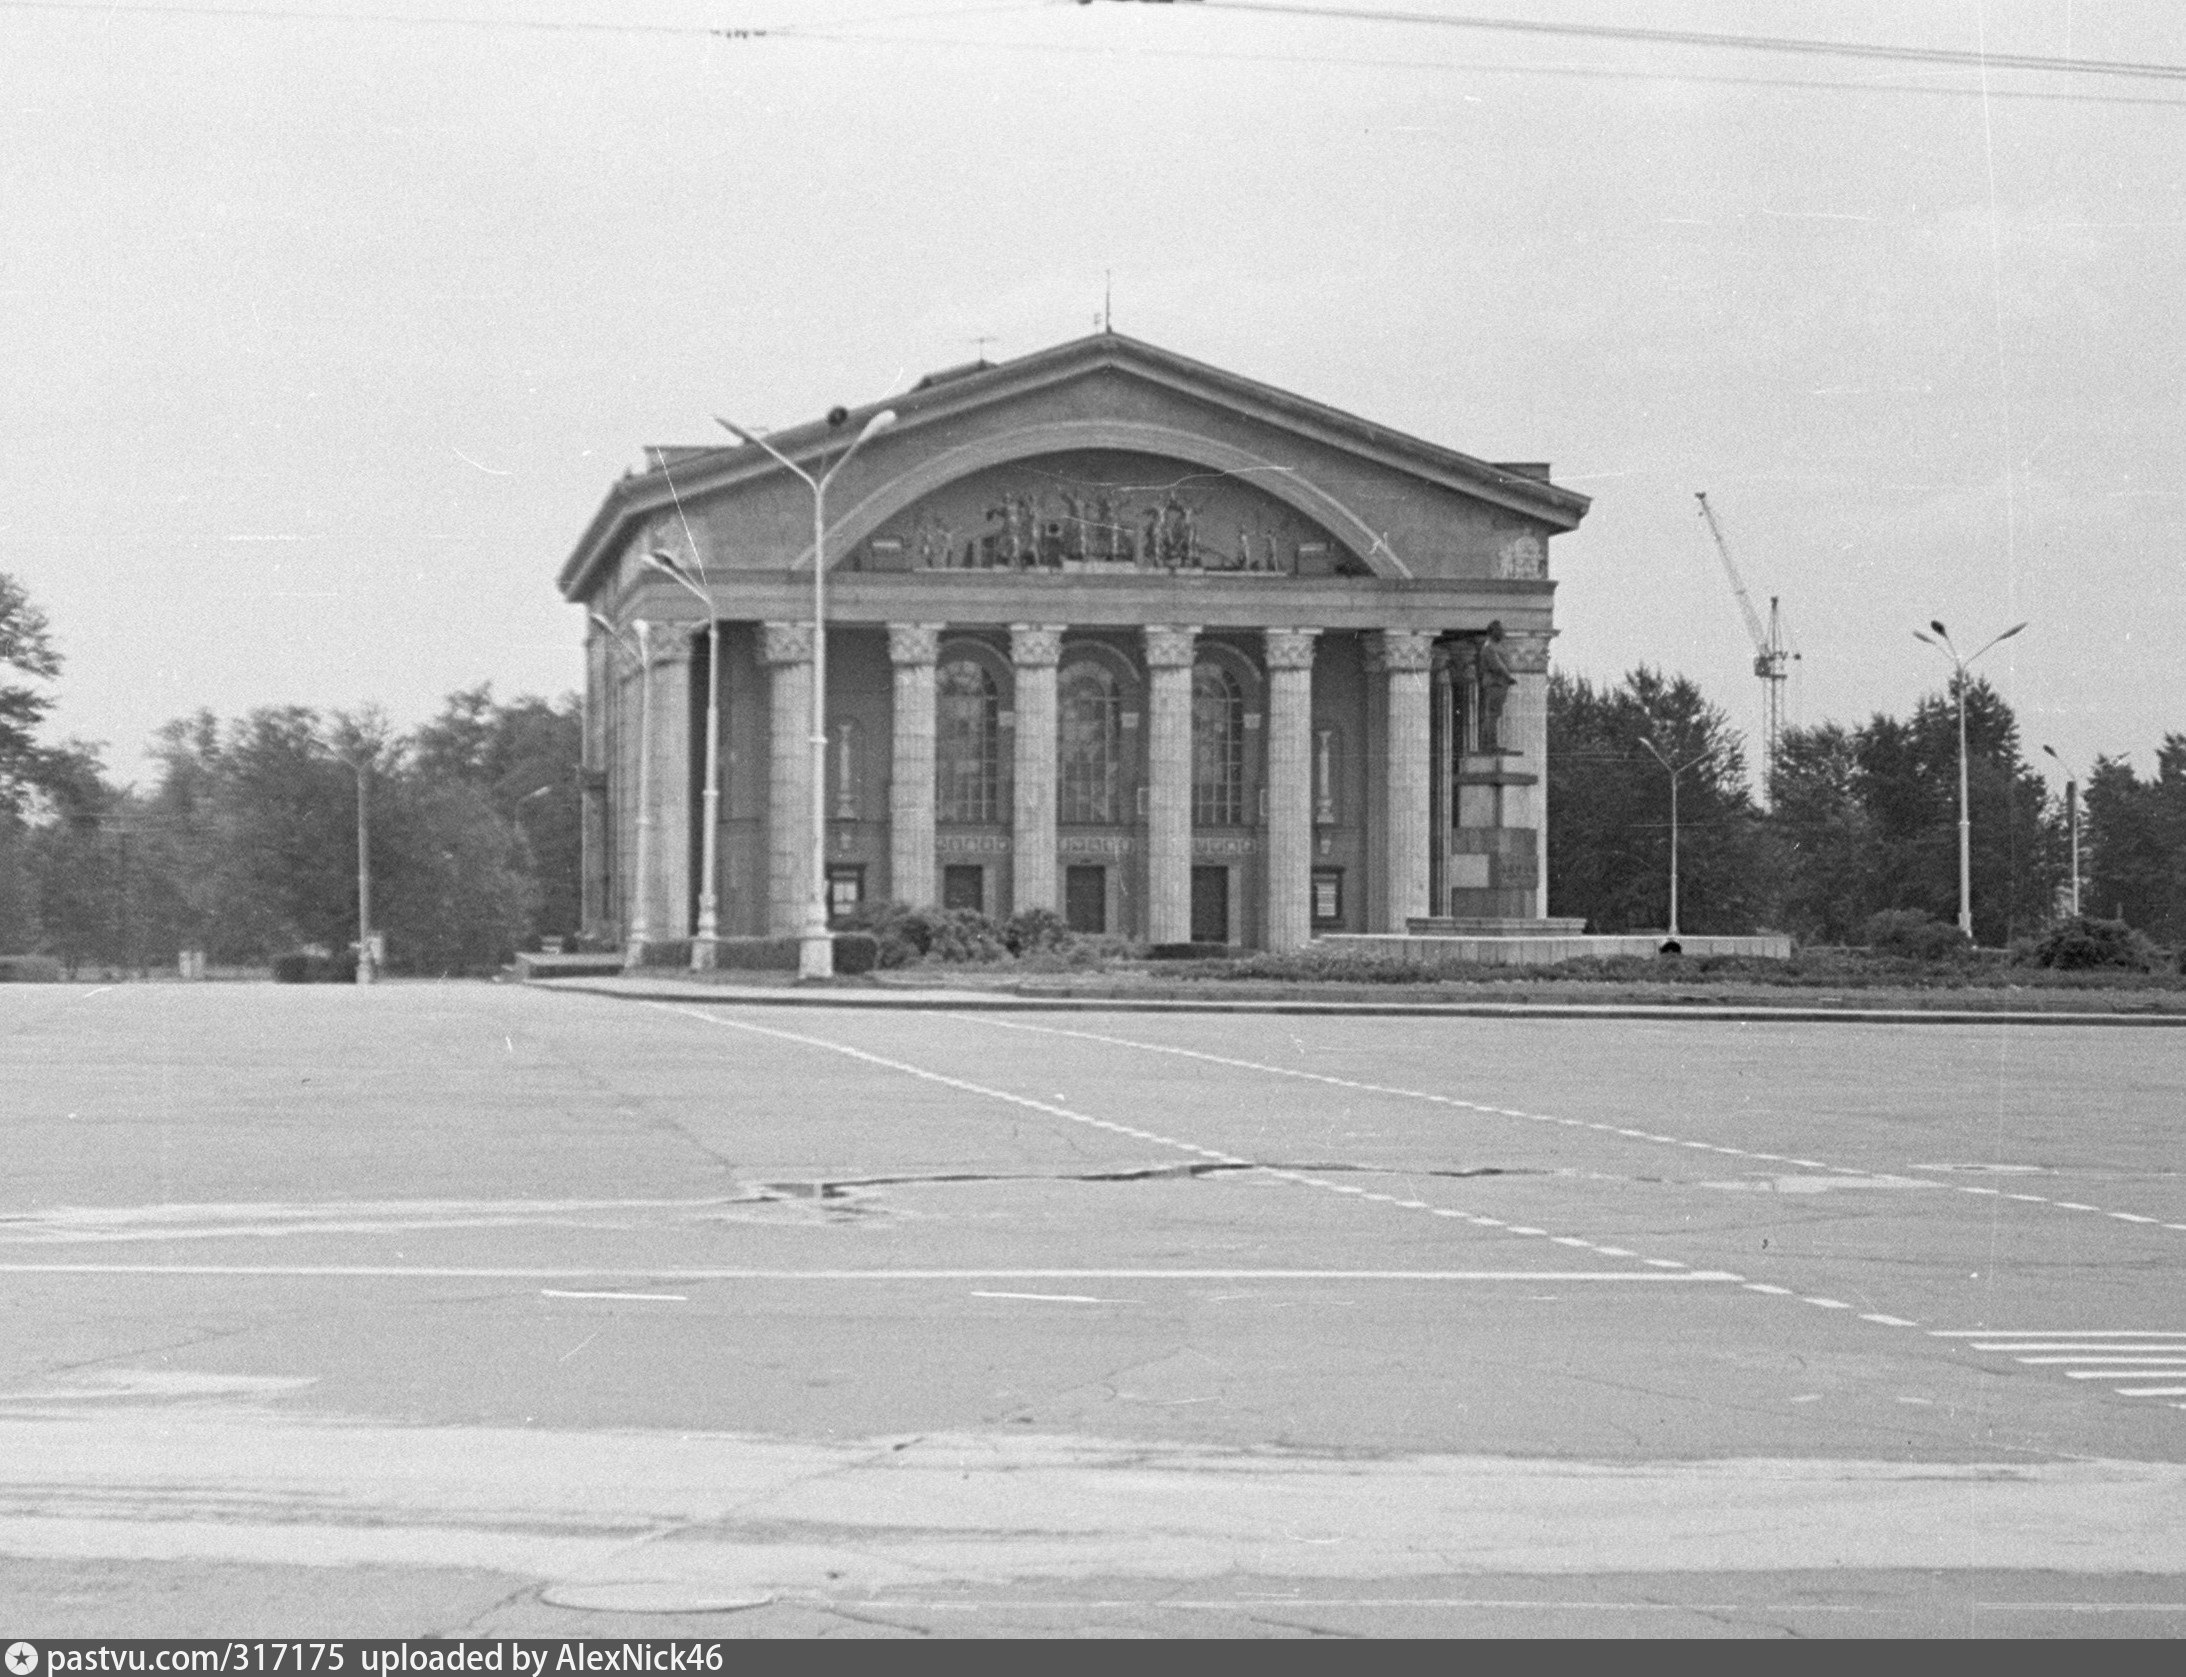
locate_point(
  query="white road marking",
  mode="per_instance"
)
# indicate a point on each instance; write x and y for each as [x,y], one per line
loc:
[1071,1115]
[2057,1333]
[1052,1298]
[634,1298]
[1888,1321]
[2117,1373]
[397,1272]
[2152,1391]
[1513,1112]
[2108,1360]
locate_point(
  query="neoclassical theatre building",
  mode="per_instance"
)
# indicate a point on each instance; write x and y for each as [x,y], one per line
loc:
[1110,632]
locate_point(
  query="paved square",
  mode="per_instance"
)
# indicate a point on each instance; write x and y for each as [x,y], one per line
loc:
[463,1308]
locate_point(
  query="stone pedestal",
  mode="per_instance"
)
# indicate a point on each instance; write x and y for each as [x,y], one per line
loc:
[1169,783]
[912,649]
[1289,655]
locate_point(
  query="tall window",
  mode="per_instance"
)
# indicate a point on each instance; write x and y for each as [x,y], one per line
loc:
[1218,747]
[1089,745]
[967,747]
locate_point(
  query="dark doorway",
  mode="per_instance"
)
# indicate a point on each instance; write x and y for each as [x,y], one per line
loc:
[845,888]
[1211,905]
[964,885]
[1085,899]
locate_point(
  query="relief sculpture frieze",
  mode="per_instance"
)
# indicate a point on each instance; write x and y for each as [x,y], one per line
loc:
[1061,514]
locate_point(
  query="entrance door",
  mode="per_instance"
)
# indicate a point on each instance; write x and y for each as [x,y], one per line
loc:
[964,885]
[1085,899]
[1211,905]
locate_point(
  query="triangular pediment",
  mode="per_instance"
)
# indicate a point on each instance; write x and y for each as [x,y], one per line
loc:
[1011,463]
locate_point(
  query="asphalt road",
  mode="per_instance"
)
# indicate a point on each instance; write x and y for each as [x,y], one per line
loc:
[469,1309]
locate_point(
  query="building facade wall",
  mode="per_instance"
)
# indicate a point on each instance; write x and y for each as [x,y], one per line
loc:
[1326,606]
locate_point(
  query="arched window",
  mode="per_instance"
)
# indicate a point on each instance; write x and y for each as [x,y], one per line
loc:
[1218,747]
[1089,745]
[967,744]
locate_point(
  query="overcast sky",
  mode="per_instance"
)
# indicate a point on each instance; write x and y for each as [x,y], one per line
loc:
[324,333]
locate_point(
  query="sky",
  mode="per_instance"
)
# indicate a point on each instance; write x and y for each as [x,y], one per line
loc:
[326,327]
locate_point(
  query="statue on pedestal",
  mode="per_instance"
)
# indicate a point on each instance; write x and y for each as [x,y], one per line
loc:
[1496,678]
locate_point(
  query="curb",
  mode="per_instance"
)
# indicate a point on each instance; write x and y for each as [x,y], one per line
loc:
[988,1001]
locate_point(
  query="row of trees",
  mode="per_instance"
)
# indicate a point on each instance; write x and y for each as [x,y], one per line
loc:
[1862,820]
[245,846]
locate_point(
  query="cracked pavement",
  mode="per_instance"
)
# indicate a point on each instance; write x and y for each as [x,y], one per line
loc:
[467,1309]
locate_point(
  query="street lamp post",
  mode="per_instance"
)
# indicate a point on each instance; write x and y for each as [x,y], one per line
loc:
[703,950]
[1675,769]
[639,926]
[1941,641]
[815,948]
[2072,815]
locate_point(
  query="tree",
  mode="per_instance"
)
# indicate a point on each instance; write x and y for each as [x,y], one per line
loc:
[1868,820]
[2136,843]
[26,647]
[1609,803]
[523,756]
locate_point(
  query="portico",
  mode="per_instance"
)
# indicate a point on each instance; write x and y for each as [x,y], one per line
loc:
[1110,633]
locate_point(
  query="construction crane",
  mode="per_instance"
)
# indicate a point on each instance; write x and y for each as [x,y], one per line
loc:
[1772,653]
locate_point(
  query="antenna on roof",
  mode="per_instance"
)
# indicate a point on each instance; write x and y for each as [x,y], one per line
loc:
[1108,300]
[979,344]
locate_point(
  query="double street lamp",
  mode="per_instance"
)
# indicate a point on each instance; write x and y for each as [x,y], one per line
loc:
[815,946]
[703,946]
[641,651]
[1675,769]
[2072,815]
[1941,641]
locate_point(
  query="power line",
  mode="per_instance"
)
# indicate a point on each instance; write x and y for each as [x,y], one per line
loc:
[519,25]
[1957,57]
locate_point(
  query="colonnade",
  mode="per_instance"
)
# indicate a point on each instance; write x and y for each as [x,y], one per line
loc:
[1397,661]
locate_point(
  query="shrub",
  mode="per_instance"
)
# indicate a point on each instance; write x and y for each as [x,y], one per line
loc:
[1032,931]
[962,934]
[2083,944]
[901,934]
[856,952]
[1187,951]
[1915,934]
[29,969]
[756,954]
[305,967]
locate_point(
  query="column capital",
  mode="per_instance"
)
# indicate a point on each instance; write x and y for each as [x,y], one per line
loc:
[675,648]
[1527,650]
[1392,650]
[1169,645]
[1289,649]
[1036,645]
[785,643]
[914,643]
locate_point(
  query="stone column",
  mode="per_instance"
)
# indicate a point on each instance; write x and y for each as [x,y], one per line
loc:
[599,679]
[1525,731]
[912,649]
[1289,655]
[669,722]
[1035,649]
[1169,783]
[1399,657]
[786,650]
[1442,722]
